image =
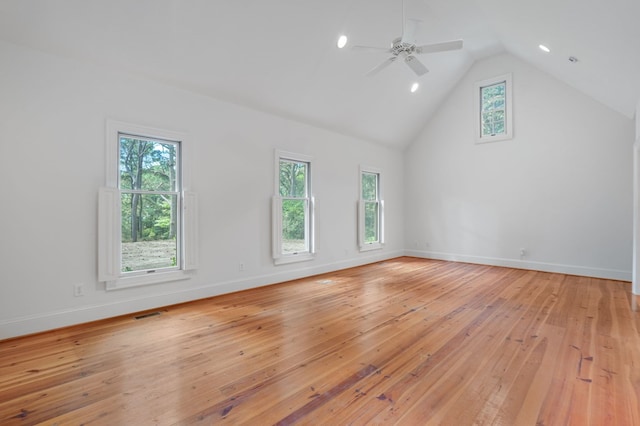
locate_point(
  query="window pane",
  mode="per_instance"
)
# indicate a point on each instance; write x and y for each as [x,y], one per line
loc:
[487,123]
[293,179]
[149,230]
[371,222]
[148,165]
[294,230]
[498,120]
[369,186]
[493,96]
[487,96]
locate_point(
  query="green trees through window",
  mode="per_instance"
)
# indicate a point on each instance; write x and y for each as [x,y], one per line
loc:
[371,206]
[493,109]
[293,189]
[150,197]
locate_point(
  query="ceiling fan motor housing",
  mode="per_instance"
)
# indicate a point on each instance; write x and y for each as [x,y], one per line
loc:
[398,46]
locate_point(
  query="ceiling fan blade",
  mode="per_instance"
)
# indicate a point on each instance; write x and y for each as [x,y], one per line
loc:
[416,65]
[439,47]
[371,49]
[375,70]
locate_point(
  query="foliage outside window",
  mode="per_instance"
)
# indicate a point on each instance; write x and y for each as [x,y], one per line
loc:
[150,203]
[494,109]
[293,209]
[370,221]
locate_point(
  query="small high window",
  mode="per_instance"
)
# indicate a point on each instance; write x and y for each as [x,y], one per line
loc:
[494,109]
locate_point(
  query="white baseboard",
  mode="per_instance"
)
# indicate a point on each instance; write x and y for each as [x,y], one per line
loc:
[610,274]
[20,326]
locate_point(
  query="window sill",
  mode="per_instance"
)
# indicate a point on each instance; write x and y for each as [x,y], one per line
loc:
[293,258]
[371,246]
[141,280]
[495,138]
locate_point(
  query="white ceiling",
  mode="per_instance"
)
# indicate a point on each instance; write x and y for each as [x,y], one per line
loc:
[280,55]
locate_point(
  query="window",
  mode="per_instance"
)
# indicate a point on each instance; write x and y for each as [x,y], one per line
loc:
[293,212]
[146,218]
[494,109]
[370,210]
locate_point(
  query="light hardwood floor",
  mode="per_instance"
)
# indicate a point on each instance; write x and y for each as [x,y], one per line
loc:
[407,341]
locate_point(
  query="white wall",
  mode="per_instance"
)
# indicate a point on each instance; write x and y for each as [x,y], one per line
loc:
[561,188]
[52,162]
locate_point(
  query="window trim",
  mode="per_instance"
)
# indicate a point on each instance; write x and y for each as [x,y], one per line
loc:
[280,258]
[109,212]
[362,244]
[508,121]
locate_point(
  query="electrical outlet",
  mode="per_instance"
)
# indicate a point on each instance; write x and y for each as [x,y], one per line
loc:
[241,267]
[78,290]
[523,252]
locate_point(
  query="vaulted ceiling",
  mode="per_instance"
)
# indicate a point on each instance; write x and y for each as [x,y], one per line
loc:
[280,56]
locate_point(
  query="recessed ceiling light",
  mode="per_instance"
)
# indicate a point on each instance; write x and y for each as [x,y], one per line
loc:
[414,87]
[342,41]
[544,48]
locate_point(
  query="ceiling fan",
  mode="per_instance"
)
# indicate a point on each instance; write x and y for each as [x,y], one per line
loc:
[404,47]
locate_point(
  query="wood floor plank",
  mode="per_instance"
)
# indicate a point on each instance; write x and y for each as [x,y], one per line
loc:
[406,341]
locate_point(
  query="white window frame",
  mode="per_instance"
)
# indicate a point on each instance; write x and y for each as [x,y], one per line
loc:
[109,214]
[362,243]
[280,258]
[508,120]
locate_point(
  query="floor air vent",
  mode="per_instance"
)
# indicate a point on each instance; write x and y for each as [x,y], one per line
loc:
[150,314]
